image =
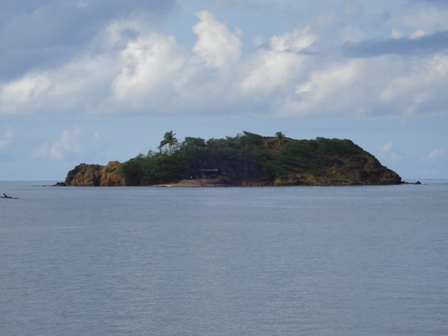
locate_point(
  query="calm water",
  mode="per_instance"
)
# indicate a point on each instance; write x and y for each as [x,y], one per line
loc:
[224,261]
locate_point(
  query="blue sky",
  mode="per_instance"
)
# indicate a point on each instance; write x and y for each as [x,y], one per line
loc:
[94,80]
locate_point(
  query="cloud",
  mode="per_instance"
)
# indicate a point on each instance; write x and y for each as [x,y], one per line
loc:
[434,154]
[328,90]
[396,34]
[152,68]
[269,70]
[162,77]
[66,144]
[216,44]
[418,44]
[387,150]
[131,69]
[6,139]
[294,42]
[418,34]
[420,91]
[36,35]
[76,86]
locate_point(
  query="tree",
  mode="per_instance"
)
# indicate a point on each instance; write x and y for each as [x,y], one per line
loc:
[168,139]
[280,137]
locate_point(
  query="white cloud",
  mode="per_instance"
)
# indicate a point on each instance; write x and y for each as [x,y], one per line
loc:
[420,90]
[162,77]
[268,70]
[6,139]
[396,34]
[18,93]
[296,41]
[387,150]
[279,66]
[118,33]
[153,68]
[395,156]
[130,69]
[67,143]
[418,34]
[216,44]
[434,154]
[328,90]
[76,86]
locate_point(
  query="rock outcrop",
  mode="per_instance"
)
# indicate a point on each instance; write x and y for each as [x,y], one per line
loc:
[95,175]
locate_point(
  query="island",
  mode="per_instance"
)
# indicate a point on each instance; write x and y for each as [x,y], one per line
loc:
[248,159]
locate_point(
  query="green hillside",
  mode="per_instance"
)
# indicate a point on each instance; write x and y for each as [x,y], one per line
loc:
[246,159]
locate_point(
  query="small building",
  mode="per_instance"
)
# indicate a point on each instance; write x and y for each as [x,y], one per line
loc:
[209,173]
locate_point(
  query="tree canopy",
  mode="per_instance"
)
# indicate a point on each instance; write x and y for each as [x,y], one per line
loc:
[169,140]
[245,157]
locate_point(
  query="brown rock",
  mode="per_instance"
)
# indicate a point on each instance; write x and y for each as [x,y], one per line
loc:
[95,175]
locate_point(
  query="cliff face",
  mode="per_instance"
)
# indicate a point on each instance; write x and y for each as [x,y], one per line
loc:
[339,162]
[362,169]
[95,175]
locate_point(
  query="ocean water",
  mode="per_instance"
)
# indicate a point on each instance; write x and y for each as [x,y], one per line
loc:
[224,261]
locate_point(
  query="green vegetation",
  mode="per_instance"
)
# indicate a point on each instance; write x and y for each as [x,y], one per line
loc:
[249,158]
[168,140]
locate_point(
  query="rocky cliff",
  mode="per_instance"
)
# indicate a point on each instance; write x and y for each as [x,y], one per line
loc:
[95,175]
[361,169]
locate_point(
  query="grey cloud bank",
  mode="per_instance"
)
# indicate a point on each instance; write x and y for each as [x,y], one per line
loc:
[44,34]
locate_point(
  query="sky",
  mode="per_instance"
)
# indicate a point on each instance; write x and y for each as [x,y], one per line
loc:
[93,81]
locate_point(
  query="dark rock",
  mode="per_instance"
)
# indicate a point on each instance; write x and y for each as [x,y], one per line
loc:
[418,182]
[8,197]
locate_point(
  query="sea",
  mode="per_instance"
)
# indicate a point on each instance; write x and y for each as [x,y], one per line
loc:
[351,261]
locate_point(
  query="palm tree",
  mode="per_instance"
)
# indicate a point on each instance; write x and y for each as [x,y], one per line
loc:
[168,139]
[280,137]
